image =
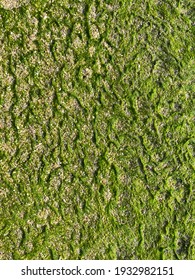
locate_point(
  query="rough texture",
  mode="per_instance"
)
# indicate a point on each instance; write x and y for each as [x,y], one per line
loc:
[97,130]
[11,4]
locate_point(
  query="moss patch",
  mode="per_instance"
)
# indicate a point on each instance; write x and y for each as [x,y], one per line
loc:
[97,130]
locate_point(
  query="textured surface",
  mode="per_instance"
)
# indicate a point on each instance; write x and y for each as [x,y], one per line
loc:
[11,4]
[97,130]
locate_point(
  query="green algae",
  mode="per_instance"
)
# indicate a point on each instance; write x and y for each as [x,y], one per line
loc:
[97,130]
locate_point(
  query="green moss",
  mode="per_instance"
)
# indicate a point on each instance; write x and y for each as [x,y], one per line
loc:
[96,130]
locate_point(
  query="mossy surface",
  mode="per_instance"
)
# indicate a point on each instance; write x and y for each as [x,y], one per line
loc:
[97,130]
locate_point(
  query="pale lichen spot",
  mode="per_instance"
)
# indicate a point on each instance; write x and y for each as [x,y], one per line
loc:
[11,4]
[95,32]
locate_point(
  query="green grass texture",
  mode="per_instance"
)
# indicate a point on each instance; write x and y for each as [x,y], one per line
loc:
[97,131]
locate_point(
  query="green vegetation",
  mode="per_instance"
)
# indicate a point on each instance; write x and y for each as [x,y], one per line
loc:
[97,129]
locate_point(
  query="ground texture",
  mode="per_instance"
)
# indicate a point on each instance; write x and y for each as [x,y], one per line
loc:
[97,134]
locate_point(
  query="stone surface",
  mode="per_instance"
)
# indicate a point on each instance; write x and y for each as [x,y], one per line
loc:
[97,130]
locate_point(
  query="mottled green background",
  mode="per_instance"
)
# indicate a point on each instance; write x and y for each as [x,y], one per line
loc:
[97,134]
